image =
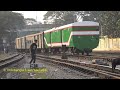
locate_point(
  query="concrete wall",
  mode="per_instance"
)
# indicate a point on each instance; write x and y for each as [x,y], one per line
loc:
[108,44]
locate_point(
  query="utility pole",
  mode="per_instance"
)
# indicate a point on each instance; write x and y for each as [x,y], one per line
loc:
[36,15]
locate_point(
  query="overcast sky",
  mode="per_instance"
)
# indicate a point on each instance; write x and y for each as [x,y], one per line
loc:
[33,14]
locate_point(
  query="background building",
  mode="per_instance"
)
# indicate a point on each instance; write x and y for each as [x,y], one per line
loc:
[32,29]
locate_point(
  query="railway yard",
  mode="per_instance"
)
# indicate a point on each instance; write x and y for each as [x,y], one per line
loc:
[88,48]
[72,51]
[49,66]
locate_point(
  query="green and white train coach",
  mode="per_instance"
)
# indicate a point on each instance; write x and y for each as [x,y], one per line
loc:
[79,37]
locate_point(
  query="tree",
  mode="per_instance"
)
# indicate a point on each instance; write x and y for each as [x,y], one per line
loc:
[60,17]
[10,21]
[109,21]
[30,21]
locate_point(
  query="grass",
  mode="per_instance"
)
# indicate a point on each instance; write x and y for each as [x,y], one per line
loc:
[36,76]
[40,76]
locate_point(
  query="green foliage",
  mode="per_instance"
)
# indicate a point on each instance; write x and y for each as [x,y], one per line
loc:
[10,21]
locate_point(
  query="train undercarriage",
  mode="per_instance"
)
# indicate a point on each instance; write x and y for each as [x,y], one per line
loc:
[59,50]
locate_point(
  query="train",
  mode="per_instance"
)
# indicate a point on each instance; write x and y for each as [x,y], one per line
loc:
[78,37]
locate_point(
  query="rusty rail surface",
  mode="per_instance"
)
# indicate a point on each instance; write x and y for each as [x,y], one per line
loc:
[97,70]
[10,60]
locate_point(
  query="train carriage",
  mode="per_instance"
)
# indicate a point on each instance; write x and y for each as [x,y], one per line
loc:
[29,40]
[23,43]
[20,44]
[39,38]
[79,37]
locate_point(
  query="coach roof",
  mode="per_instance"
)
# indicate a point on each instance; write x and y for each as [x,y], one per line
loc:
[83,23]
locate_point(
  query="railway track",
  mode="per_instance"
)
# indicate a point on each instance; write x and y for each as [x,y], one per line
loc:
[97,70]
[10,60]
[106,59]
[116,52]
[94,56]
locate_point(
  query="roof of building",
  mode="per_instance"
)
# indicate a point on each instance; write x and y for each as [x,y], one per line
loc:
[39,26]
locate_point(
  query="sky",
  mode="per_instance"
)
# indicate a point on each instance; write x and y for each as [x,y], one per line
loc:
[33,14]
